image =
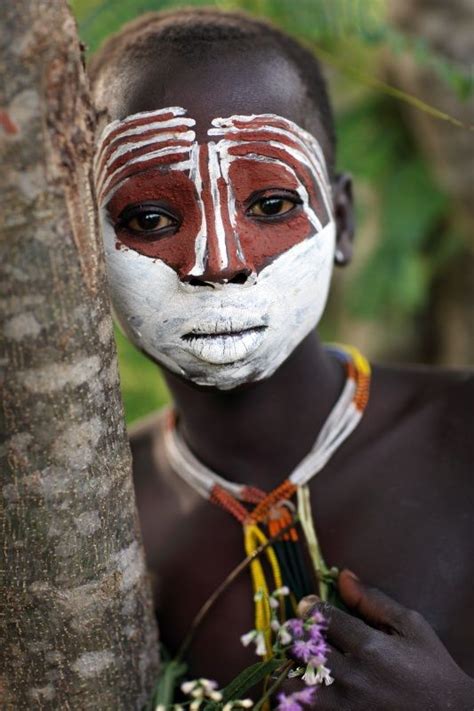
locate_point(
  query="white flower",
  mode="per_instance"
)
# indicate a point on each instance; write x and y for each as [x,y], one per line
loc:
[317,675]
[261,649]
[280,592]
[241,703]
[215,695]
[160,707]
[259,595]
[310,677]
[274,603]
[188,686]
[200,689]
[324,675]
[275,625]
[247,638]
[284,636]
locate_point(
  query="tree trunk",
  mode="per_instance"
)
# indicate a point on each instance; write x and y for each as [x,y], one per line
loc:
[78,630]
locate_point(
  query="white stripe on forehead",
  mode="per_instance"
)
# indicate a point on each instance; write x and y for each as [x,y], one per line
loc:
[124,148]
[119,123]
[307,142]
[169,150]
[146,127]
[306,136]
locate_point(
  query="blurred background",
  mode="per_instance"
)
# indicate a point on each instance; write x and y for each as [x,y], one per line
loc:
[401,74]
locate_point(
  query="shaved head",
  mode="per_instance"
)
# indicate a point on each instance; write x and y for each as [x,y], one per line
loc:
[215,64]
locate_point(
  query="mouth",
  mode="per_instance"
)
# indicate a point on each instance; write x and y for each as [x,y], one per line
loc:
[223,345]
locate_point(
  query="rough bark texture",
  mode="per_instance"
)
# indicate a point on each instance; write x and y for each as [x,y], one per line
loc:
[77,625]
[447,27]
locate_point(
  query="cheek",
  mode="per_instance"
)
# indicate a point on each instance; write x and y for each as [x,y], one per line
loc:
[175,190]
[262,242]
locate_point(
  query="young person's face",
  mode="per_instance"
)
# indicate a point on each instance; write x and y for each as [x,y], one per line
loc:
[218,226]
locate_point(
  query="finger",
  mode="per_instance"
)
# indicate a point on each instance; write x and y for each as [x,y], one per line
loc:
[344,631]
[374,606]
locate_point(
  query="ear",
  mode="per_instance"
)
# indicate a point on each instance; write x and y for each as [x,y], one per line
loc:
[344,214]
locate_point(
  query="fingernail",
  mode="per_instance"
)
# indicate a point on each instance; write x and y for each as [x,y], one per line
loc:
[351,575]
[306,604]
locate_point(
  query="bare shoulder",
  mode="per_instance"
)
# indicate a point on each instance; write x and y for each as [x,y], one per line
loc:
[427,409]
[448,392]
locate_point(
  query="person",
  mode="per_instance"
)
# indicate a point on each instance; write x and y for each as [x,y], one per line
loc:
[223,216]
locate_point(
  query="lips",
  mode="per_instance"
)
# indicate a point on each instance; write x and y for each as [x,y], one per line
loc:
[223,343]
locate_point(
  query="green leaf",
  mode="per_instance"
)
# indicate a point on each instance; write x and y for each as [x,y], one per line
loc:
[171,673]
[248,678]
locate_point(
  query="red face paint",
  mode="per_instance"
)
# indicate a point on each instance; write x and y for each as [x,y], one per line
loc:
[211,189]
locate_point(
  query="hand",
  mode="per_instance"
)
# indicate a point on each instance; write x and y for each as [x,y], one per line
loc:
[390,660]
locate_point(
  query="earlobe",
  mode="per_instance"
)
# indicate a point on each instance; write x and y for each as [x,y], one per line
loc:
[344,216]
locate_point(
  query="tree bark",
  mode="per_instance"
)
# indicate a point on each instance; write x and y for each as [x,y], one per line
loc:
[78,630]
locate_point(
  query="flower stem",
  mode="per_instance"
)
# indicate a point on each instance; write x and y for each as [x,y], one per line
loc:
[276,684]
[203,612]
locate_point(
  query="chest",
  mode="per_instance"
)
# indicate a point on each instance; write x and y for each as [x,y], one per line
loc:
[391,532]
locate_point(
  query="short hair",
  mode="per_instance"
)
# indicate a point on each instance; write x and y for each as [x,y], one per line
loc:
[191,29]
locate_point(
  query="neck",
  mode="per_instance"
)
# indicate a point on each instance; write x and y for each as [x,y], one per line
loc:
[258,433]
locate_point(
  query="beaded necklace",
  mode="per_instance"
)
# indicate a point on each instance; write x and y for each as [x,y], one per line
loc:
[275,511]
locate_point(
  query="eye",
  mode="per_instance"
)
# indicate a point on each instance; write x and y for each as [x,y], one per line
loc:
[147,220]
[273,206]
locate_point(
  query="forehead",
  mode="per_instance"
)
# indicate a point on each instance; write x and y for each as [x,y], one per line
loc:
[164,139]
[218,82]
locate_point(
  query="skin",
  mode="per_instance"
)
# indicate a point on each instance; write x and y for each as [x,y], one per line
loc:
[394,504]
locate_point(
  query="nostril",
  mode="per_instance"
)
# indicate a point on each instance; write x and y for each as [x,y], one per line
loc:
[194,281]
[239,278]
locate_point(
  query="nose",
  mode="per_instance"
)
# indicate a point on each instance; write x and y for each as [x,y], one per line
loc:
[224,261]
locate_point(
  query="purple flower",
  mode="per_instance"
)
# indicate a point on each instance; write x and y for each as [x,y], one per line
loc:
[318,618]
[288,703]
[296,701]
[304,650]
[307,695]
[295,627]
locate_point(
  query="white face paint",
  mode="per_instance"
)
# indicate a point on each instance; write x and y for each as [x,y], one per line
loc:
[223,298]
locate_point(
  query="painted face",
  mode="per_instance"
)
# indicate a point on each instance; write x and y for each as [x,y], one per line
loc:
[219,254]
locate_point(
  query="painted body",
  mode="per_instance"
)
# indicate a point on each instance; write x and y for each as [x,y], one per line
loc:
[211,294]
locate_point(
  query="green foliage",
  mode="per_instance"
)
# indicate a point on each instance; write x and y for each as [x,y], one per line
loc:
[143,387]
[248,678]
[394,280]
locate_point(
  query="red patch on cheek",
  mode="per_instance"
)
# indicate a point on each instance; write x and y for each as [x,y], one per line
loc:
[175,191]
[262,241]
